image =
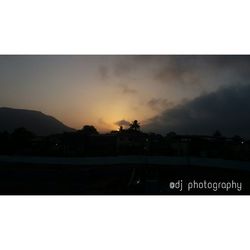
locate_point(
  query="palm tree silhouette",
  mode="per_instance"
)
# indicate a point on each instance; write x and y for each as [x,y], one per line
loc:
[134,125]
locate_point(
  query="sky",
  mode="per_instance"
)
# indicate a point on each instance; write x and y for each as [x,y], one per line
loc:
[186,94]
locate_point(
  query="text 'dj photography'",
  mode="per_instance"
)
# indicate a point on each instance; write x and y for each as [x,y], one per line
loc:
[206,185]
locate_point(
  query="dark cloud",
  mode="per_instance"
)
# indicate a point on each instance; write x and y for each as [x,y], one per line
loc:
[227,110]
[198,70]
[103,72]
[188,61]
[187,70]
[158,104]
[175,74]
[127,90]
[122,123]
[124,66]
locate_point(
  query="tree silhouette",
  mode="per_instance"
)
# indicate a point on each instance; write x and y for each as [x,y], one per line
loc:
[217,134]
[134,125]
[88,130]
[171,135]
[21,138]
[22,134]
[237,139]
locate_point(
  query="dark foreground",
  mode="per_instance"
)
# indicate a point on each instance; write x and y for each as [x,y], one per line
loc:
[35,179]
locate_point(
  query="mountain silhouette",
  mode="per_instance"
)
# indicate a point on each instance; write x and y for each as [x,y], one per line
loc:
[34,121]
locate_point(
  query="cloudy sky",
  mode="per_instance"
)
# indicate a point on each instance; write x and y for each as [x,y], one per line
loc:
[187,94]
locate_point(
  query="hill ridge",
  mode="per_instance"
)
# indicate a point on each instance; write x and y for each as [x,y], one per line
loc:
[33,120]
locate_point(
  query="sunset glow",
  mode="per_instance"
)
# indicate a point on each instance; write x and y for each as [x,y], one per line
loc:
[103,90]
